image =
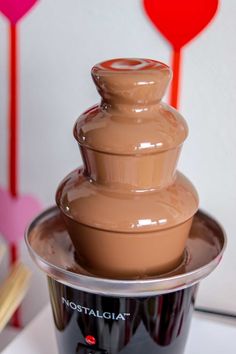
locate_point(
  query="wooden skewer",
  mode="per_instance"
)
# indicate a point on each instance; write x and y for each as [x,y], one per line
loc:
[2,251]
[12,292]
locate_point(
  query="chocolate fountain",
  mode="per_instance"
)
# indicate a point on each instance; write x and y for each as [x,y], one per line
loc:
[126,247]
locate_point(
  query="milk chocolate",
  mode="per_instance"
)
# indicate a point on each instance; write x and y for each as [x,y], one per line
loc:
[128,211]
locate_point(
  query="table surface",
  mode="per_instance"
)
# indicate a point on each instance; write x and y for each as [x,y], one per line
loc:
[207,336]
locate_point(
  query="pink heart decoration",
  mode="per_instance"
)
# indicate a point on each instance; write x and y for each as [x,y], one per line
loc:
[14,10]
[180,20]
[15,214]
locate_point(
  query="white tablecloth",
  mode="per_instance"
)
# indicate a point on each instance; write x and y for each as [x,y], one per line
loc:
[206,337]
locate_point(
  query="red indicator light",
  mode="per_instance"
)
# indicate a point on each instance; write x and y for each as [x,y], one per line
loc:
[90,340]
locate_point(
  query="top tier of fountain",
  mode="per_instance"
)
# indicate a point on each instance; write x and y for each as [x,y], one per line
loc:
[132,139]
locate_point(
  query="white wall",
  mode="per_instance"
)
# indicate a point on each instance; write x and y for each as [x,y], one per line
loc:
[60,41]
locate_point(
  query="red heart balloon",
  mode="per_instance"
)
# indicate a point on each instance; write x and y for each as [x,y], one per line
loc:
[180,20]
[14,10]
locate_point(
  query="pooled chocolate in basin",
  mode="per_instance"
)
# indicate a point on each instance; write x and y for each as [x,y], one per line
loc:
[50,241]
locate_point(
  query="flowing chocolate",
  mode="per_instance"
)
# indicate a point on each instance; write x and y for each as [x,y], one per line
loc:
[128,212]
